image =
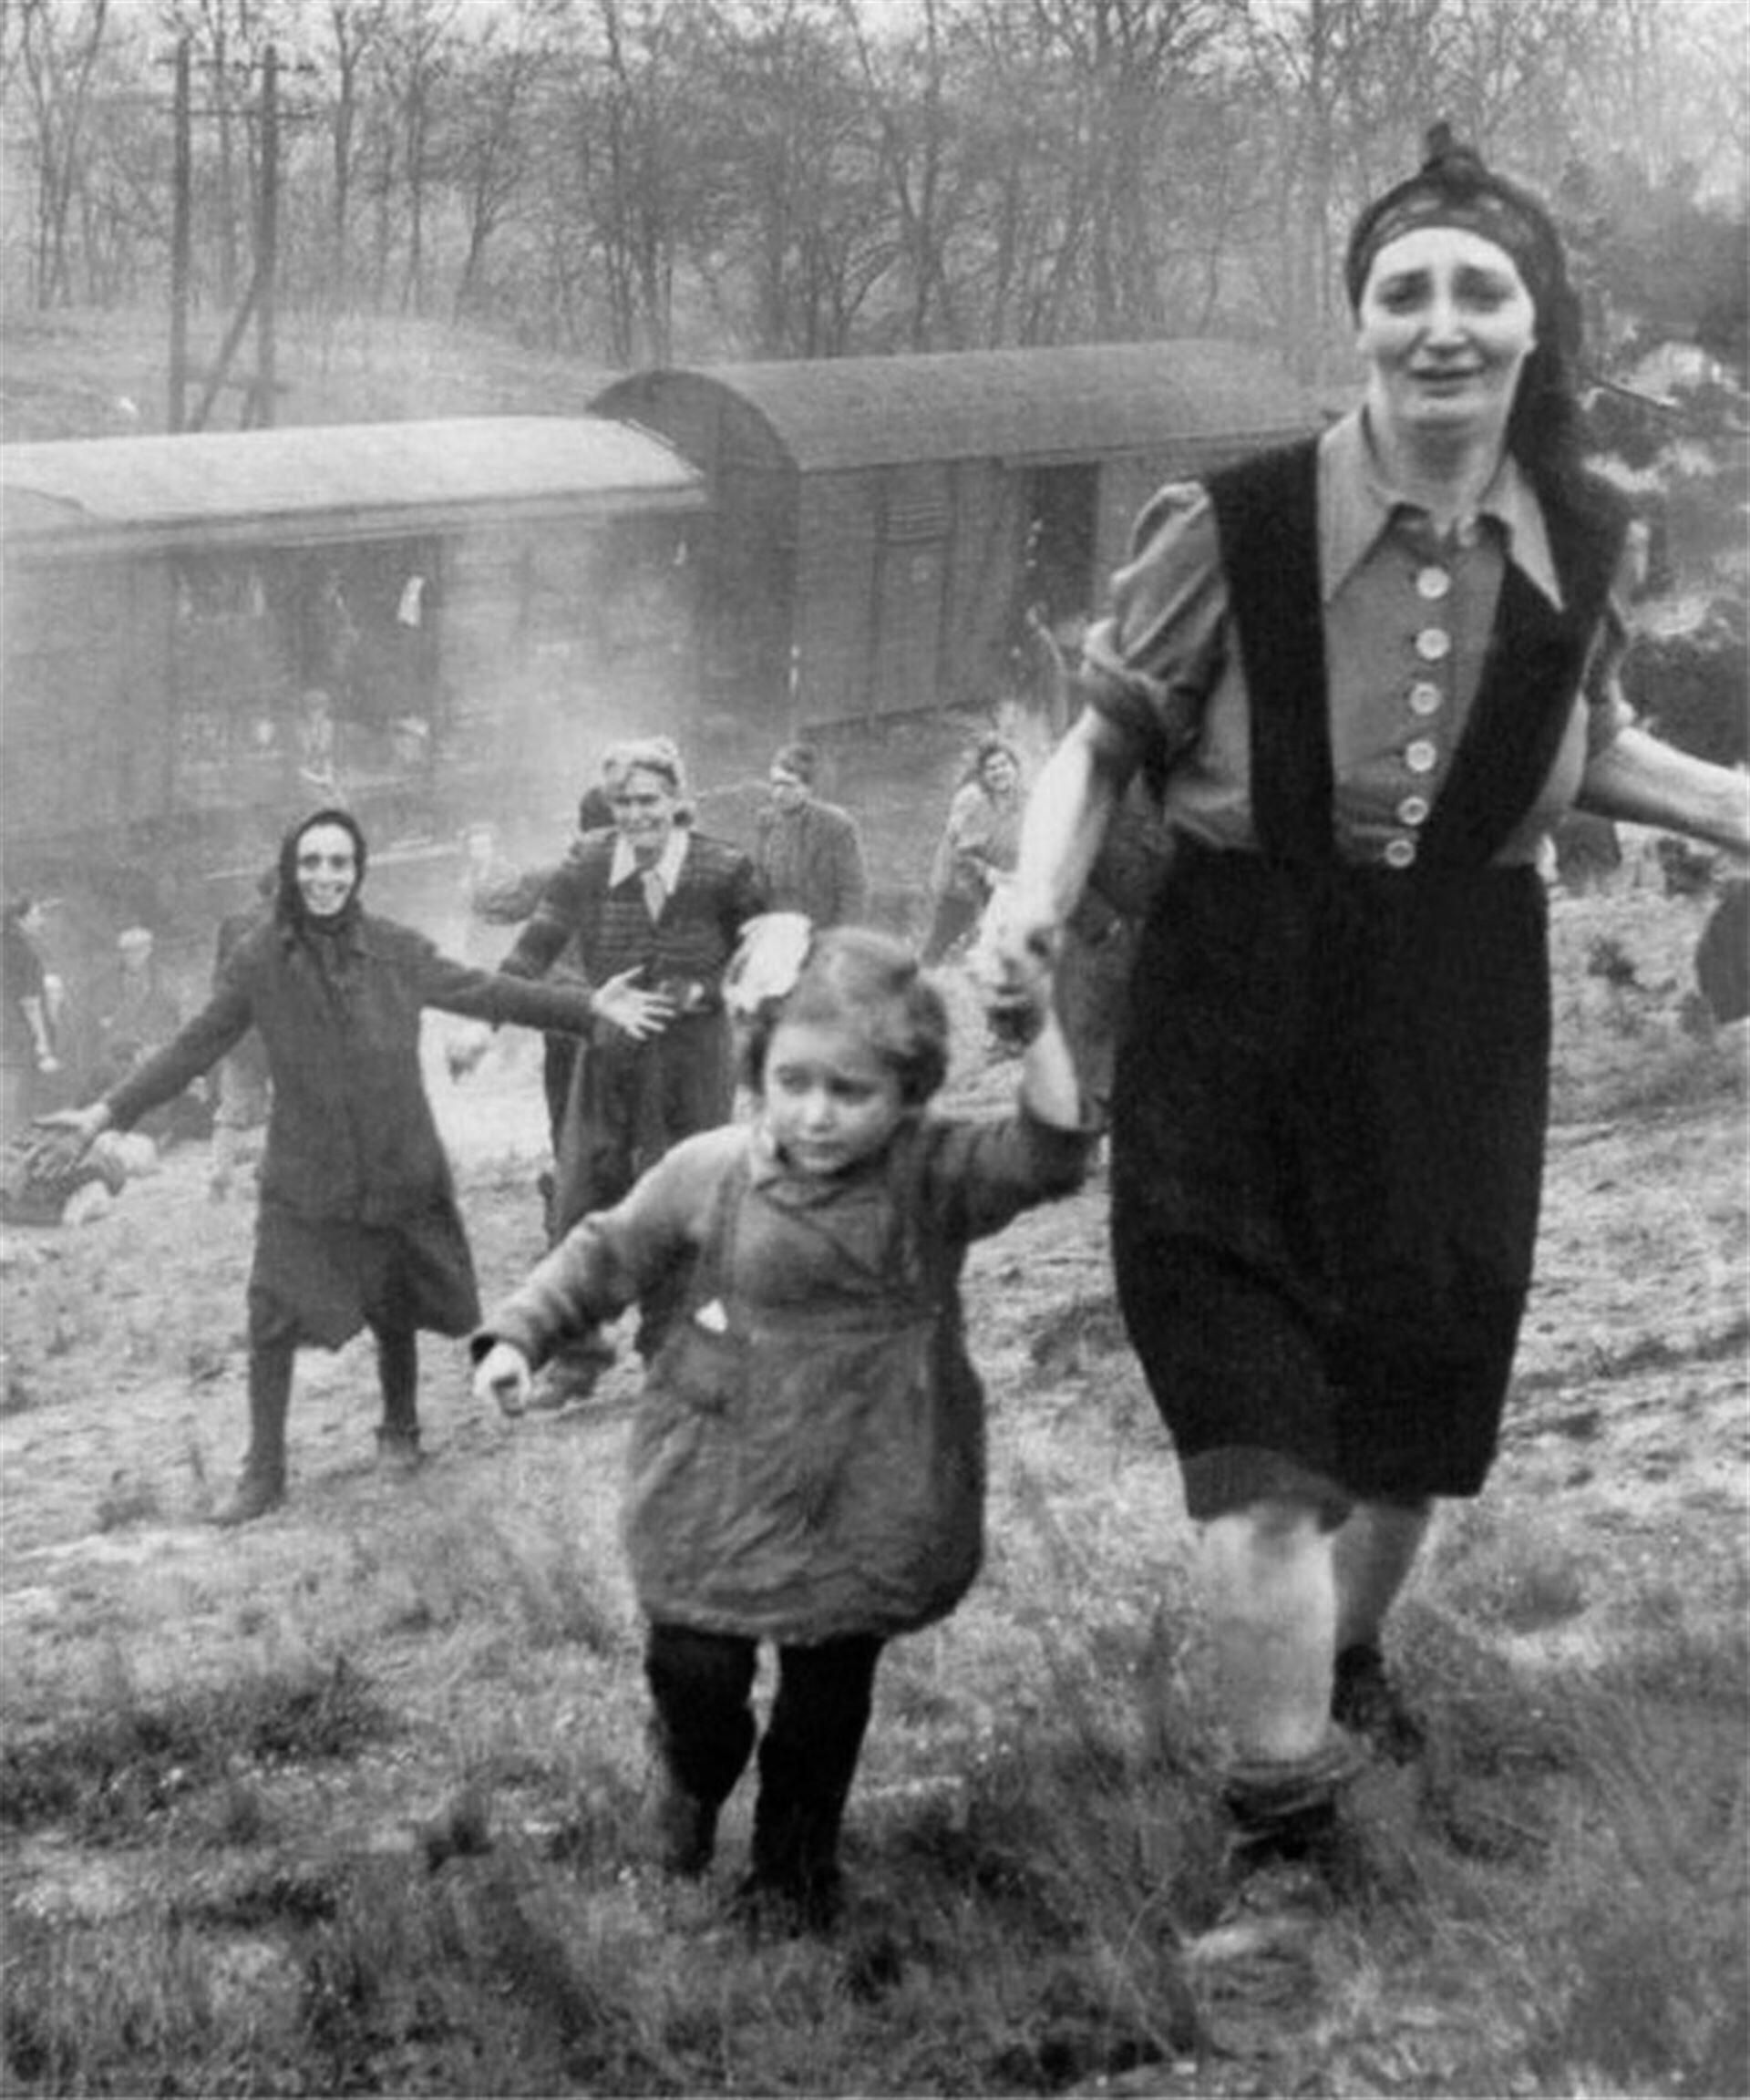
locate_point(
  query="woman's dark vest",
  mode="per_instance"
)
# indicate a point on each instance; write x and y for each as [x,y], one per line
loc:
[1267,515]
[1338,1073]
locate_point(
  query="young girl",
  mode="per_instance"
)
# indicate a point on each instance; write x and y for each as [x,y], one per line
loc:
[808,1463]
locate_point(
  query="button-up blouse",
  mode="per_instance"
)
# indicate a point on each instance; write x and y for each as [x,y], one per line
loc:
[1408,612]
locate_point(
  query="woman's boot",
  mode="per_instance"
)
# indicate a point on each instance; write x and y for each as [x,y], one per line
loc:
[263,1484]
[397,1367]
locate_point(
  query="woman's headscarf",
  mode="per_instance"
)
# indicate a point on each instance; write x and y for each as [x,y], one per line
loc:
[1452,187]
[288,903]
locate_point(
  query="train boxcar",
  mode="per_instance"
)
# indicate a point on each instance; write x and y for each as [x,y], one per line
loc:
[880,528]
[429,620]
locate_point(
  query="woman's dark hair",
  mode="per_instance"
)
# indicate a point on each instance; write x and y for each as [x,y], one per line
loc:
[1452,187]
[288,904]
[856,977]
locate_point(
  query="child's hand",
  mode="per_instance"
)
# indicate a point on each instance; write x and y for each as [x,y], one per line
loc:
[503,1374]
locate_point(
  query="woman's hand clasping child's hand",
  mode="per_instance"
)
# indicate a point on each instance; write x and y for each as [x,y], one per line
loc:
[1014,976]
[503,1374]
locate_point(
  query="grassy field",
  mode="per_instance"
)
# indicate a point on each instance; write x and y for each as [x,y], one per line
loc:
[349,1802]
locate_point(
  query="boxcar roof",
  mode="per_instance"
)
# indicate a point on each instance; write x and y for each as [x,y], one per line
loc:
[357,480]
[1065,403]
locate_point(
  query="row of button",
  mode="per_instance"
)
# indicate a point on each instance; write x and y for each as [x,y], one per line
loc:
[1422,754]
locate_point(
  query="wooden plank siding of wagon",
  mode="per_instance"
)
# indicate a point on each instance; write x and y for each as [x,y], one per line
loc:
[878,510]
[100,536]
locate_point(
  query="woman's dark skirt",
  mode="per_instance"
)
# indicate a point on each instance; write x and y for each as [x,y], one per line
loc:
[318,1281]
[1328,1139]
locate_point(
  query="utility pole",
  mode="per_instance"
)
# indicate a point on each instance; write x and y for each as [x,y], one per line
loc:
[180,214]
[267,242]
[260,301]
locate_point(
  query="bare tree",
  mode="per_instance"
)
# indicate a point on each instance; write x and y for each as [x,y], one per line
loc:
[59,48]
[824,176]
[807,227]
[412,56]
[356,27]
[493,112]
[908,99]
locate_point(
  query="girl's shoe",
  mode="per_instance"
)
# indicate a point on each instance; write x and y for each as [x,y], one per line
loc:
[683,1827]
[791,1907]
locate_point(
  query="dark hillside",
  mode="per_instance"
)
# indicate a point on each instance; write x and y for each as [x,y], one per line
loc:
[89,375]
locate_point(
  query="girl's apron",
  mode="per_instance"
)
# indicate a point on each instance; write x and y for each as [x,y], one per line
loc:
[801,1475]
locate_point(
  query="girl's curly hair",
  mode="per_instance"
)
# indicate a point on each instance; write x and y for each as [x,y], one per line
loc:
[856,977]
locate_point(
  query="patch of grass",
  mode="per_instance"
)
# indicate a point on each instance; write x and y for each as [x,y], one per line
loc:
[1502,1574]
[533,1570]
[1073,1338]
[1560,1890]
[85,2014]
[1651,1898]
[1646,1352]
[128,1501]
[108,1774]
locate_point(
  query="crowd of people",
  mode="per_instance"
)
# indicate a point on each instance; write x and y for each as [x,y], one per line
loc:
[1341,697]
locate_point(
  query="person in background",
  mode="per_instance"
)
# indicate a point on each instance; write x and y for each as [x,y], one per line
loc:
[559,1054]
[500,894]
[978,844]
[809,853]
[242,1074]
[1370,673]
[658,901]
[807,1461]
[357,1225]
[317,738]
[28,1052]
[496,890]
[136,1013]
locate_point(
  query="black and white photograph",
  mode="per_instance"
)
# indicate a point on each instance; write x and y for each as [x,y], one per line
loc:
[875,1151]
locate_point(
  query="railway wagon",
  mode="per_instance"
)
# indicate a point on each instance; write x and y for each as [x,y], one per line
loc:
[433,622]
[880,528]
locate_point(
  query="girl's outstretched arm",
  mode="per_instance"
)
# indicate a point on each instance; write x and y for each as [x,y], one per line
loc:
[612,1257]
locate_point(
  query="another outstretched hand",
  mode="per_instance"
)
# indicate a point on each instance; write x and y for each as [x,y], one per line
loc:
[503,1374]
[635,1012]
[62,1140]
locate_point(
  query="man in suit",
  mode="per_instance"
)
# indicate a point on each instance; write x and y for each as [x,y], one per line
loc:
[809,853]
